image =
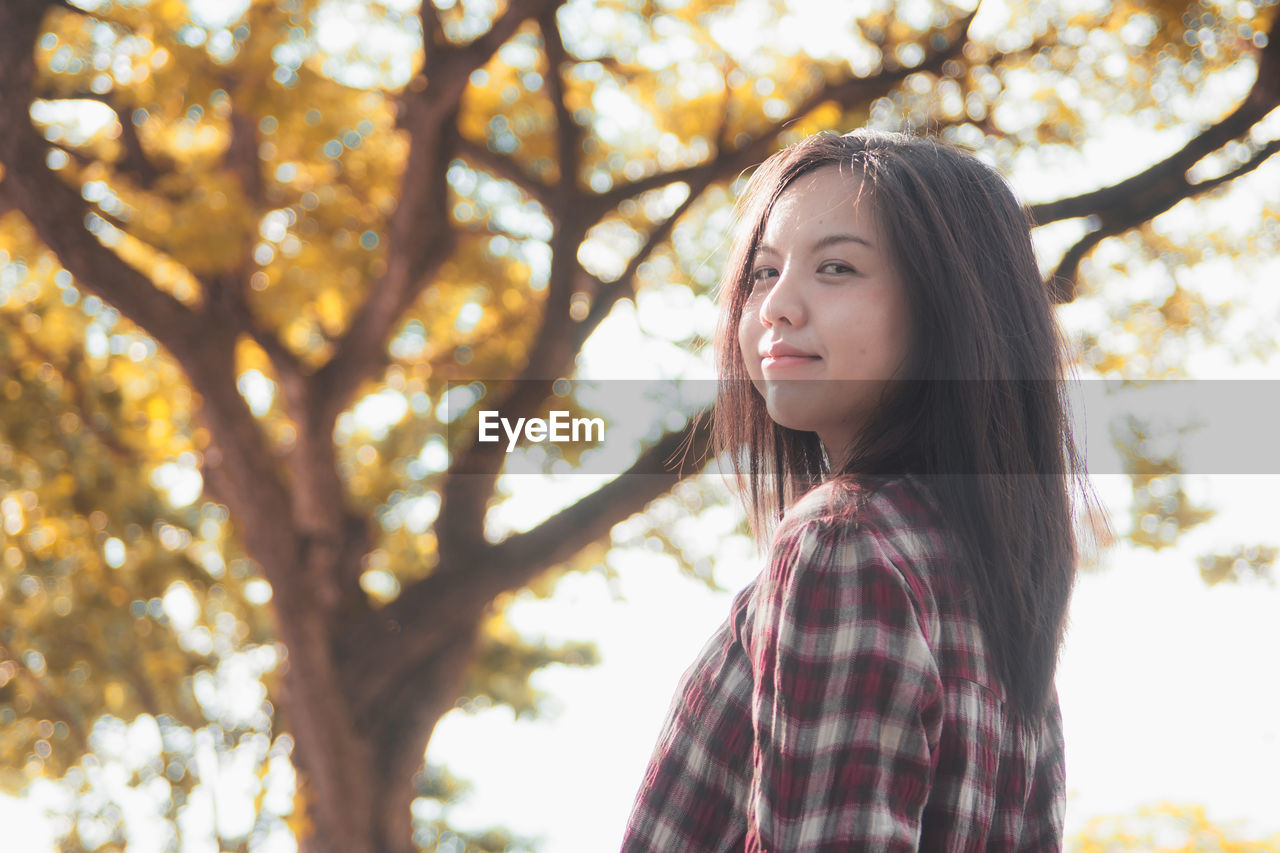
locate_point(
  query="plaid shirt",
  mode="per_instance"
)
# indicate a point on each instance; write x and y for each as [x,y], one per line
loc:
[847,703]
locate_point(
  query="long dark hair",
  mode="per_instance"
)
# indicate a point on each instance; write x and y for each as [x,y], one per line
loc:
[981,418]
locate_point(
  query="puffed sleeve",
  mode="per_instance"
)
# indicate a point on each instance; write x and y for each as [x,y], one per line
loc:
[846,699]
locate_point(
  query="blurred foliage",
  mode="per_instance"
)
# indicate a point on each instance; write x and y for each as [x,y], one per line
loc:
[1161,510]
[125,595]
[1248,561]
[1166,828]
[438,789]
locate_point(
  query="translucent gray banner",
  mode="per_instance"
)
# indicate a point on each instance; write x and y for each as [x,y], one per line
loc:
[606,427]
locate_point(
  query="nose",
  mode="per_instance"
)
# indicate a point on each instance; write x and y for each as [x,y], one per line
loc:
[782,304]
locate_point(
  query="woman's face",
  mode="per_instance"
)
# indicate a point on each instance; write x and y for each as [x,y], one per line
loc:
[826,323]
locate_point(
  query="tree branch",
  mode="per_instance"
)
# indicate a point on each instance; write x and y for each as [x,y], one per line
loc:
[604,202]
[123,454]
[851,91]
[548,350]
[484,158]
[420,237]
[431,611]
[433,36]
[590,519]
[1257,159]
[330,541]
[468,484]
[1149,193]
[241,157]
[1156,189]
[134,162]
[568,133]
[625,285]
[1062,283]
[419,240]
[1135,192]
[448,68]
[475,54]
[6,202]
[207,354]
[54,209]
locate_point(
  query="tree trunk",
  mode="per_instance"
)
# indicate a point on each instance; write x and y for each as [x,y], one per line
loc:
[356,768]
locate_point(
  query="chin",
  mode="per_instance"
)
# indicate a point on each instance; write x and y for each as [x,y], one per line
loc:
[791,416]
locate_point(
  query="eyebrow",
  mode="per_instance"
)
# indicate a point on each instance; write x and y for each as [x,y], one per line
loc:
[825,242]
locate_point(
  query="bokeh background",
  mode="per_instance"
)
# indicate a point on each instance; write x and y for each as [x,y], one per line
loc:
[256,595]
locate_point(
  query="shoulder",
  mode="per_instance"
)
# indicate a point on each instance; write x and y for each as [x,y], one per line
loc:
[875,539]
[899,512]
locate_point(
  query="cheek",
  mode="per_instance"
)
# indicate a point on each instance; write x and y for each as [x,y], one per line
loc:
[748,343]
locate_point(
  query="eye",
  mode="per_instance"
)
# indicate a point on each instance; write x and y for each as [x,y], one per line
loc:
[760,274]
[836,268]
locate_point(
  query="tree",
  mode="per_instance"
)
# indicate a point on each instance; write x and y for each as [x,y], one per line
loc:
[275,220]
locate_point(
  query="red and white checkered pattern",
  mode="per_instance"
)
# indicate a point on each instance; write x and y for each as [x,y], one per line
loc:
[847,703]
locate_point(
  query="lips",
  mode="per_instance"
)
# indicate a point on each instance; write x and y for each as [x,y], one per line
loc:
[778,349]
[781,355]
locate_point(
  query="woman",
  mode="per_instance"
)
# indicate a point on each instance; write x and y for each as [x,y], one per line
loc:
[889,380]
